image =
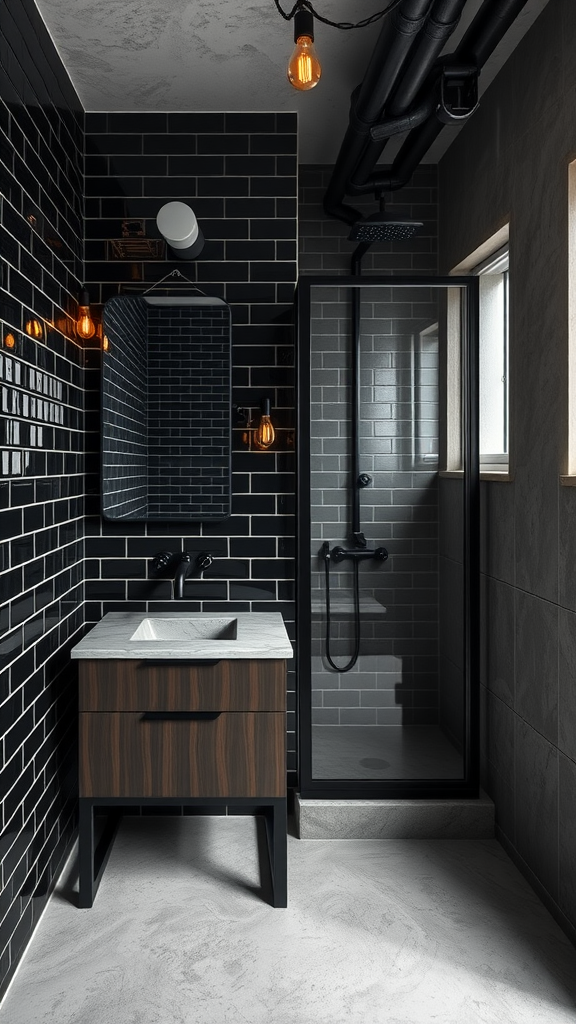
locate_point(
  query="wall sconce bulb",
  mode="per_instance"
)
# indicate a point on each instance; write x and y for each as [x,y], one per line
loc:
[85,326]
[264,433]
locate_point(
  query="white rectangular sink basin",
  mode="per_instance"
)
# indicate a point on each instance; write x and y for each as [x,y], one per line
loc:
[173,636]
[178,630]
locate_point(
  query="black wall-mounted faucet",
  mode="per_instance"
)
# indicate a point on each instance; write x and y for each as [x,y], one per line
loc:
[186,567]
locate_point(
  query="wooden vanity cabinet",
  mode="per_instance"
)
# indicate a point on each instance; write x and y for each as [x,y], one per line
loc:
[177,732]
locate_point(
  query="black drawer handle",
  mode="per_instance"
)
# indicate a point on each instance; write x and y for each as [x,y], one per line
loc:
[172,662]
[180,716]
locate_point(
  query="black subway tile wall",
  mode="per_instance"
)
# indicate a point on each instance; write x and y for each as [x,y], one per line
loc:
[238,173]
[41,469]
[124,437]
[324,245]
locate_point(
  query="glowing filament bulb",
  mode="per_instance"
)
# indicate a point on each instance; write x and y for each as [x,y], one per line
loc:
[85,326]
[304,68]
[264,434]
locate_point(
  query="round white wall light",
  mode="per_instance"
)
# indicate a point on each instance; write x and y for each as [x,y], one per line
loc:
[178,225]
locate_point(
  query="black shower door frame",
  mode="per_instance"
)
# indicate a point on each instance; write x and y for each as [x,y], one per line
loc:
[468,785]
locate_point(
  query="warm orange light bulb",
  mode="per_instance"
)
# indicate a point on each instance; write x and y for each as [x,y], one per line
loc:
[10,341]
[85,326]
[105,343]
[304,68]
[264,434]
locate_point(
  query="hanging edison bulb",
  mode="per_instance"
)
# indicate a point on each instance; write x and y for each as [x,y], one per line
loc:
[304,68]
[85,326]
[264,434]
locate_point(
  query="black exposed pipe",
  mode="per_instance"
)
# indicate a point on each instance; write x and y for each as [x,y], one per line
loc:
[390,53]
[443,20]
[438,29]
[483,35]
[489,26]
[357,536]
[477,44]
[356,267]
[384,130]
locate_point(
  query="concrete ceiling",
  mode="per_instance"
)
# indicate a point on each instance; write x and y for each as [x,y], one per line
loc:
[227,55]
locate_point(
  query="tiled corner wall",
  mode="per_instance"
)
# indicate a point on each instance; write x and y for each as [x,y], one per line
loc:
[238,172]
[395,678]
[124,437]
[41,469]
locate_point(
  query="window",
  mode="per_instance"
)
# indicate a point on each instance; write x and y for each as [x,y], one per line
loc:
[570,469]
[493,374]
[490,263]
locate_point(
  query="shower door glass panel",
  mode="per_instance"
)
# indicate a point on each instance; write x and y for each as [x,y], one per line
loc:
[399,711]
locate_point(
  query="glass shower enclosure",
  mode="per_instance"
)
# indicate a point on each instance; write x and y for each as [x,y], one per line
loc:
[388,567]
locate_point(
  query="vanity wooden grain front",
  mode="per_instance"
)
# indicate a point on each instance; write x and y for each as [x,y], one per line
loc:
[182,730]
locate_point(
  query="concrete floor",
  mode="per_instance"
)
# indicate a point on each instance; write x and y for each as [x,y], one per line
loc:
[376,932]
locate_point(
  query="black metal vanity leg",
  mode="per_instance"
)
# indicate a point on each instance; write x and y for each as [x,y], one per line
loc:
[86,853]
[277,835]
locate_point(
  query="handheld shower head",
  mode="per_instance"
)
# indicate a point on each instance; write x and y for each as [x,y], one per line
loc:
[383,227]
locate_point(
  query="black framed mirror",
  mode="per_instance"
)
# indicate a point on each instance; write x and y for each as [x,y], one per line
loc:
[166,408]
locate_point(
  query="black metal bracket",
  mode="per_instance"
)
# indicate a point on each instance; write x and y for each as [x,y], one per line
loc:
[92,860]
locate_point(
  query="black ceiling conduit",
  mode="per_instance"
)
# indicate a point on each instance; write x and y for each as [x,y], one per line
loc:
[368,100]
[489,26]
[483,35]
[443,20]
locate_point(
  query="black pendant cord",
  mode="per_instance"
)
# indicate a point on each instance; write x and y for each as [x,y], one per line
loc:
[350,664]
[356,480]
[306,5]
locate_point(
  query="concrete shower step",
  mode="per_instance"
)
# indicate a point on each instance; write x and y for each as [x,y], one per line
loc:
[395,819]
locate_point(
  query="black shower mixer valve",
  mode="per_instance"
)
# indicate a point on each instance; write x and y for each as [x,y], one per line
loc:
[338,553]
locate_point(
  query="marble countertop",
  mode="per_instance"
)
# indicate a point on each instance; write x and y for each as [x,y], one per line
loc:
[240,635]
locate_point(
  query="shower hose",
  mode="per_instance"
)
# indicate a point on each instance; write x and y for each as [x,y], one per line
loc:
[356,588]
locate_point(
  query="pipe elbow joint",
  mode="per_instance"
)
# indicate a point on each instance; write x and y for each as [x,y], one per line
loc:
[341,211]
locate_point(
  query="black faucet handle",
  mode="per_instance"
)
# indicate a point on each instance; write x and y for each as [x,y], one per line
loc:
[161,560]
[204,560]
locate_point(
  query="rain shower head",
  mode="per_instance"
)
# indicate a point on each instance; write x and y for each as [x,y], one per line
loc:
[383,227]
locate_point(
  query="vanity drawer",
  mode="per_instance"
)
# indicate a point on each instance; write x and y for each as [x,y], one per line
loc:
[229,754]
[236,685]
